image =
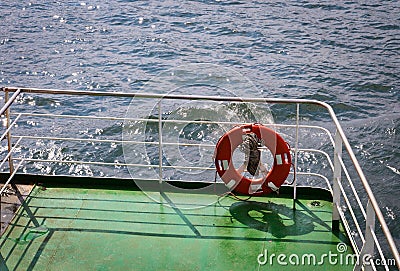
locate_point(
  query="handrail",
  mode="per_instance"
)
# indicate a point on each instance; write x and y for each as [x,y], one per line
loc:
[339,129]
[165,96]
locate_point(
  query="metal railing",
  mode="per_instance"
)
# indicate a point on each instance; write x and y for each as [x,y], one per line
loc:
[336,184]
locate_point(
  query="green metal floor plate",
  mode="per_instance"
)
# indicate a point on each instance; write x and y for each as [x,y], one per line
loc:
[95,229]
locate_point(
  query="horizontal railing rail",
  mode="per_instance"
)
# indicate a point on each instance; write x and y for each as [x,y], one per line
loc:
[368,239]
[93,140]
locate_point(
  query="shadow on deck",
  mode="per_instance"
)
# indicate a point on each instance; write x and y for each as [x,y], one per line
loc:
[91,228]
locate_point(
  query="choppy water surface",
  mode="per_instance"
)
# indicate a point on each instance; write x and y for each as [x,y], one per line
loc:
[345,53]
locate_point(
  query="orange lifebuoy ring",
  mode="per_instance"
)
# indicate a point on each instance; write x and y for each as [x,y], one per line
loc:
[233,179]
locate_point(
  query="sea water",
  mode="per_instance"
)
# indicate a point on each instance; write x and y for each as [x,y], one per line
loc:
[345,53]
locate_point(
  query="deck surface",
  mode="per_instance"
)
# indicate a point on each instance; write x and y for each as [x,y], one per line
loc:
[95,229]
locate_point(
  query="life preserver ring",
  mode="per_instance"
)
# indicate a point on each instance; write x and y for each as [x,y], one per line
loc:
[238,183]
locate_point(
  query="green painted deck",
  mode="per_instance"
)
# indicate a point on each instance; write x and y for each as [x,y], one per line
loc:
[103,229]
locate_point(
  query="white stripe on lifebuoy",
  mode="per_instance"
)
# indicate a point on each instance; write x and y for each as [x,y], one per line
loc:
[225,164]
[278,159]
[231,184]
[273,186]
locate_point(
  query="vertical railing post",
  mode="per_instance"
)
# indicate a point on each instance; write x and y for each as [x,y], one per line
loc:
[160,174]
[367,251]
[10,160]
[296,150]
[1,215]
[337,172]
